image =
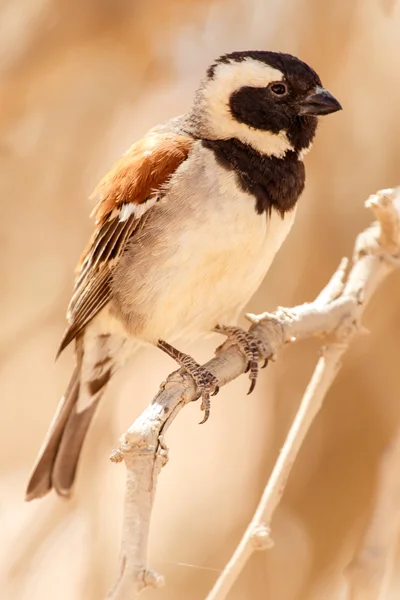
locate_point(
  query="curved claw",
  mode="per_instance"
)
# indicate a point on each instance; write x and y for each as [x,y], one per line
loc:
[204,419]
[252,386]
[265,363]
[205,405]
[215,392]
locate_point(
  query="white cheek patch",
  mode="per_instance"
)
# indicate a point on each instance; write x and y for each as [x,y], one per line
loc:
[227,79]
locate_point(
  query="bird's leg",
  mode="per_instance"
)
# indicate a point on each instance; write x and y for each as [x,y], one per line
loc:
[253,348]
[206,382]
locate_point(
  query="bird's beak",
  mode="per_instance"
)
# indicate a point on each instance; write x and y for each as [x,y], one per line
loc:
[319,102]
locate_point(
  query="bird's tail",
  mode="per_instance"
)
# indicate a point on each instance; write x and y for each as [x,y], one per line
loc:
[58,458]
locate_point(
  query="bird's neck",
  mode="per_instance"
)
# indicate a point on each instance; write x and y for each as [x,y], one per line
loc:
[275,183]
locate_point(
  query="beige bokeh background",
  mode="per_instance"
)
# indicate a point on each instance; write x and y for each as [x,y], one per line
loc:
[81,81]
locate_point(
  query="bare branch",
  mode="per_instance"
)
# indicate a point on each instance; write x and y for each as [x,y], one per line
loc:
[335,285]
[335,314]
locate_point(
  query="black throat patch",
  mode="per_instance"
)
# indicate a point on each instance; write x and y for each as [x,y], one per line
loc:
[274,182]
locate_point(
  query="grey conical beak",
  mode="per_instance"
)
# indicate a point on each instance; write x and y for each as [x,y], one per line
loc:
[319,102]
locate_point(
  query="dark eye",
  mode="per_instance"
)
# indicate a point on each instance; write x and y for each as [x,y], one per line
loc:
[278,89]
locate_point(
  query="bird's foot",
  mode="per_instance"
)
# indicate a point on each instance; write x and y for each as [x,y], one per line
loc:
[252,347]
[206,382]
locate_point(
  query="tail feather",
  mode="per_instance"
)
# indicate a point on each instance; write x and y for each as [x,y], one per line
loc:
[58,458]
[69,450]
[98,355]
[40,482]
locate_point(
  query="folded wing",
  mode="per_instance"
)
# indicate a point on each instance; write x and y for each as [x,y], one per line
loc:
[125,198]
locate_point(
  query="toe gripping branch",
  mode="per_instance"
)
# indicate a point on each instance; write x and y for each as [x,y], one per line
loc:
[252,347]
[206,383]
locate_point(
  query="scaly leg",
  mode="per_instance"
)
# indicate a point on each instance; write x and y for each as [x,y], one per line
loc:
[206,382]
[253,348]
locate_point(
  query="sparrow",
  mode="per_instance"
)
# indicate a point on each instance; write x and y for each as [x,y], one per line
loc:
[187,223]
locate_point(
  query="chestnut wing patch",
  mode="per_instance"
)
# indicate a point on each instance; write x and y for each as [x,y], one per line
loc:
[125,198]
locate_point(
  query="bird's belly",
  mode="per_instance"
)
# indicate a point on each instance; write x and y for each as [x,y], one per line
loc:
[211,276]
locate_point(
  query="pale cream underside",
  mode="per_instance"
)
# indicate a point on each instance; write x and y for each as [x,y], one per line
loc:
[227,79]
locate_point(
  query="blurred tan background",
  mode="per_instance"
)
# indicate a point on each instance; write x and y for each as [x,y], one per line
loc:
[79,83]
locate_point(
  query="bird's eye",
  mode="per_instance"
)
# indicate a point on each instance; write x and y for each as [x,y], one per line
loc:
[279,89]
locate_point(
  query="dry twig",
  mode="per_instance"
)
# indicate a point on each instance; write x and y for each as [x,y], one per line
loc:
[335,314]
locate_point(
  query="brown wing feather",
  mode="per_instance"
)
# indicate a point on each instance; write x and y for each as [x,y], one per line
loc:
[130,186]
[145,168]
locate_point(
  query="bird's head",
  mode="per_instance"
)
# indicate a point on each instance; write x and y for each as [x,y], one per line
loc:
[267,100]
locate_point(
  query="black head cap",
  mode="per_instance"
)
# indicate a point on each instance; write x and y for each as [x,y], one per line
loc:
[292,67]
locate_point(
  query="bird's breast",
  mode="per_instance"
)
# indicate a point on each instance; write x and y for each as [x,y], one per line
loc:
[200,257]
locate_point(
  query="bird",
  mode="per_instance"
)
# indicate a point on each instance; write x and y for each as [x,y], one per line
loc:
[186,225]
